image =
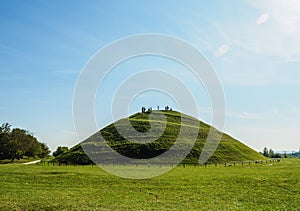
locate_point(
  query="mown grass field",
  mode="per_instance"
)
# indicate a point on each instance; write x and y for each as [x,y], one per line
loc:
[254,187]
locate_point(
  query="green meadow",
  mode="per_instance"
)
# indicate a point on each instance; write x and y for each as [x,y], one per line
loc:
[272,186]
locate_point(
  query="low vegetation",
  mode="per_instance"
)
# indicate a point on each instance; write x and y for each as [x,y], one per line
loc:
[272,186]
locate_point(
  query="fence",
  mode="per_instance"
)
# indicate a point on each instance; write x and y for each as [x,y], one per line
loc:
[225,164]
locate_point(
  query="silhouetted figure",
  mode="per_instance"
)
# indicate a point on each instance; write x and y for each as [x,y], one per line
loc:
[143,109]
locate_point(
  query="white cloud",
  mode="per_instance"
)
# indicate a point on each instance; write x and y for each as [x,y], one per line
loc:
[266,34]
[281,37]
[221,50]
[271,41]
[263,18]
[285,13]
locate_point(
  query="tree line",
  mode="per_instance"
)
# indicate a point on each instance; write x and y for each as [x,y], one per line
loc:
[270,153]
[16,143]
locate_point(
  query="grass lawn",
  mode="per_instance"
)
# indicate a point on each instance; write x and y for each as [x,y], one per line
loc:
[254,187]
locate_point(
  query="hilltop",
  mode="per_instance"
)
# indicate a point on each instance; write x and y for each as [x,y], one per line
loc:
[169,124]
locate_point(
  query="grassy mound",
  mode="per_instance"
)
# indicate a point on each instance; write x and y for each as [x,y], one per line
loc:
[167,123]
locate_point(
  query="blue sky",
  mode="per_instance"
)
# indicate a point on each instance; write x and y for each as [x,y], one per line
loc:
[254,47]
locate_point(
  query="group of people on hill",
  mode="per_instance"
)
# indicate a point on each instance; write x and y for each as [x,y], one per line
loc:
[144,110]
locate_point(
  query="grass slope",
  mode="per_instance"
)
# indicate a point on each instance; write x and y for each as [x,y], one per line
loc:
[229,149]
[254,187]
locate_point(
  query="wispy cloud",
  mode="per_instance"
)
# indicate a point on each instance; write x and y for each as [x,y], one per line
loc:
[271,39]
[222,50]
[244,115]
[281,37]
[262,19]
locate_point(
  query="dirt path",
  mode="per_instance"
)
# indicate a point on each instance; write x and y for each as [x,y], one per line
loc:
[32,162]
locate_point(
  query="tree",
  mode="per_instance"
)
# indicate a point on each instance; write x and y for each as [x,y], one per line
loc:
[21,143]
[60,150]
[18,142]
[266,152]
[45,151]
[277,155]
[271,153]
[5,130]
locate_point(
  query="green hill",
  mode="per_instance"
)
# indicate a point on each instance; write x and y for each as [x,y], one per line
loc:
[169,123]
